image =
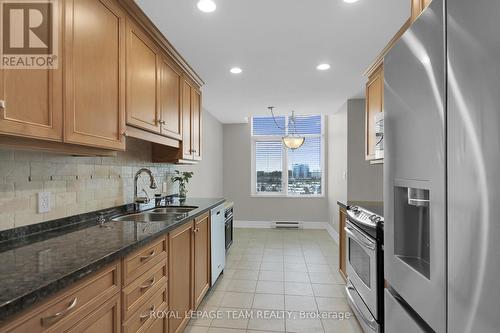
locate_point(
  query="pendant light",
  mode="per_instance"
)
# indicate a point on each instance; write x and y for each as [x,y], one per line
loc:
[292,140]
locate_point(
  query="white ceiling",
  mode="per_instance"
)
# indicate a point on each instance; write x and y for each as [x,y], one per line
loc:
[278,44]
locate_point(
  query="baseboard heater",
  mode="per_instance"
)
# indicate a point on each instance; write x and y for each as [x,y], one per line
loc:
[287,225]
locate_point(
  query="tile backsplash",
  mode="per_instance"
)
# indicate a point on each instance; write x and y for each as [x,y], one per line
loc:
[76,184]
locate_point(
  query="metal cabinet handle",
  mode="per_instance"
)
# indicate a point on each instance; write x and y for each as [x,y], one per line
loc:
[148,256]
[147,315]
[162,122]
[370,323]
[49,320]
[351,234]
[3,104]
[150,284]
[196,229]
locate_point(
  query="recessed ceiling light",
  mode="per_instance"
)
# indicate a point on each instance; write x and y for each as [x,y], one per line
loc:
[236,70]
[323,67]
[350,1]
[206,6]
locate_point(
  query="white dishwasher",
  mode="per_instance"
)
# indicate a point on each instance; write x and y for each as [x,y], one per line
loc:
[218,242]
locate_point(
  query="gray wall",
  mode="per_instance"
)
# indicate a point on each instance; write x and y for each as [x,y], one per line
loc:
[337,162]
[237,186]
[207,180]
[350,176]
[364,180]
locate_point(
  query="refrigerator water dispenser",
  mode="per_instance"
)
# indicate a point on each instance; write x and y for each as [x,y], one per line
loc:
[411,228]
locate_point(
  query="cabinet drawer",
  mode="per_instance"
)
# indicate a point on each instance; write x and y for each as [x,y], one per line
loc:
[143,288]
[142,260]
[62,312]
[141,320]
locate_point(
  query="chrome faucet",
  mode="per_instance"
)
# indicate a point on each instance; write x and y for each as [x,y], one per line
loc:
[152,185]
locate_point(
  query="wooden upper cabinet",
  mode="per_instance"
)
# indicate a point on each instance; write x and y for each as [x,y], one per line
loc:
[201,258]
[374,105]
[142,81]
[191,122]
[95,73]
[32,101]
[170,100]
[417,7]
[187,150]
[196,120]
[180,279]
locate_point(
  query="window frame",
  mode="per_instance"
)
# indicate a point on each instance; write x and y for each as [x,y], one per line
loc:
[284,172]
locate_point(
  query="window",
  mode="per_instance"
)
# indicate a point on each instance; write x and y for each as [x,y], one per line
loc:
[279,171]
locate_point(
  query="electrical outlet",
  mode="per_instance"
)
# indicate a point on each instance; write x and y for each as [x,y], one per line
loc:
[43,202]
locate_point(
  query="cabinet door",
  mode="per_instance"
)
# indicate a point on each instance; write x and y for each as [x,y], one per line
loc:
[187,150]
[374,105]
[95,74]
[201,258]
[196,124]
[158,326]
[32,102]
[180,285]
[142,81]
[106,319]
[170,100]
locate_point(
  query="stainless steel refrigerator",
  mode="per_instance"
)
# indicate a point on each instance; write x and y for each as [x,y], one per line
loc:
[441,172]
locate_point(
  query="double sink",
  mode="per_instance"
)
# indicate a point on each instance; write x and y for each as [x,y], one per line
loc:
[156,215]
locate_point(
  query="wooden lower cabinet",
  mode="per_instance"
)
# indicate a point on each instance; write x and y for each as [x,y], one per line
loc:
[97,297]
[105,319]
[189,269]
[160,325]
[201,258]
[147,313]
[180,284]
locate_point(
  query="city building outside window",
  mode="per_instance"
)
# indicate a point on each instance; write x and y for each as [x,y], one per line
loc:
[278,171]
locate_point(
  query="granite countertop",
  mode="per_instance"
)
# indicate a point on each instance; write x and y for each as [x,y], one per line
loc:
[36,265]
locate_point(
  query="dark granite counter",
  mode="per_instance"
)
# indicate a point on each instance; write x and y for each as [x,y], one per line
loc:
[376,207]
[40,260]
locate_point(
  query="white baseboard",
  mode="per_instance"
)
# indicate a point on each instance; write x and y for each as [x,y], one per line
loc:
[306,225]
[251,224]
[332,232]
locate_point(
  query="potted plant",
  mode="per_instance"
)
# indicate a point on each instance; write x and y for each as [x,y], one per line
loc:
[183,179]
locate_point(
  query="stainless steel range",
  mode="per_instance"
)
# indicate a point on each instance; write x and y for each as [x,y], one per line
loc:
[365,267]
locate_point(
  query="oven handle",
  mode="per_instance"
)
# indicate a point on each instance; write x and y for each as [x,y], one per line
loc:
[351,234]
[371,323]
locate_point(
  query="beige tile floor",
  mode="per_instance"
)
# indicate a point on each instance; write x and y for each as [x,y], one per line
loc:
[295,271]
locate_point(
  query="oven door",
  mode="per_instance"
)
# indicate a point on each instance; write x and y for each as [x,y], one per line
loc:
[362,265]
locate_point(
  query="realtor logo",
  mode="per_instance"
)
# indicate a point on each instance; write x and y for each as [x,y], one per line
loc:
[29,34]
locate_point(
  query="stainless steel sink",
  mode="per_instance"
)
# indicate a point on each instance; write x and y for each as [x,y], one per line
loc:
[176,210]
[156,215]
[147,217]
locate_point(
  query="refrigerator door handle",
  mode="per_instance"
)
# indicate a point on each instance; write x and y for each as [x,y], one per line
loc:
[365,244]
[371,323]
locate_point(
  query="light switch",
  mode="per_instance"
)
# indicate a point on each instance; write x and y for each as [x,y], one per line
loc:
[43,202]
